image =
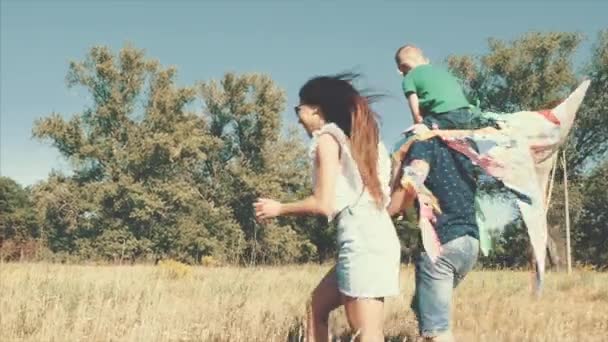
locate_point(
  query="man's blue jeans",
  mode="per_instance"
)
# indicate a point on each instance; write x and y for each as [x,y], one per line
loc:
[435,283]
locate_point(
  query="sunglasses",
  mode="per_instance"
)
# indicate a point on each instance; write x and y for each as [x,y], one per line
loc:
[297,109]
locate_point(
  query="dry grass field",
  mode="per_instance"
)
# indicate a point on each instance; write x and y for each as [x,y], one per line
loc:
[173,302]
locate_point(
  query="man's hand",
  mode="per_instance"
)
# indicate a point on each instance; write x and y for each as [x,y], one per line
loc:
[417,129]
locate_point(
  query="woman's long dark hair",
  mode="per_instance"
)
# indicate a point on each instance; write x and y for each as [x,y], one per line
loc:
[346,107]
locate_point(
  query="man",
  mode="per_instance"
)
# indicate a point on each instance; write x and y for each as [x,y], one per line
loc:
[432,168]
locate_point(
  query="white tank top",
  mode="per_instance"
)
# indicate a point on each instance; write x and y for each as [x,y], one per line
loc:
[349,185]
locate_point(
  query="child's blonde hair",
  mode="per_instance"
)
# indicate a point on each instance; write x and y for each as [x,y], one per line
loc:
[410,53]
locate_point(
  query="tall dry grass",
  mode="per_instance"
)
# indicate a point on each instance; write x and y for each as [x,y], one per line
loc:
[46,302]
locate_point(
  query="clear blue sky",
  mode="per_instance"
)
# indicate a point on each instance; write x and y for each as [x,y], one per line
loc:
[289,40]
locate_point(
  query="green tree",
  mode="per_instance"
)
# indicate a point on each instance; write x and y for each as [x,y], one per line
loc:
[588,143]
[256,160]
[530,72]
[135,152]
[154,178]
[18,229]
[590,237]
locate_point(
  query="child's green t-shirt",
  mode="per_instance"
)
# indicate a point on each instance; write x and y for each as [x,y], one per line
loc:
[437,89]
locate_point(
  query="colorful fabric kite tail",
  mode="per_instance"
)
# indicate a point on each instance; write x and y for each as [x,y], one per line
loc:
[430,240]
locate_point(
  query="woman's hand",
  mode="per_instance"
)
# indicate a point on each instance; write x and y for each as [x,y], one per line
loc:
[266,209]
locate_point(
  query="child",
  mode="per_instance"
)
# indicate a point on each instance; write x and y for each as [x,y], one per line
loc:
[435,97]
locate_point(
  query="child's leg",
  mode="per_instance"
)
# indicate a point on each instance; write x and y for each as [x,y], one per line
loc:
[365,317]
[460,124]
[325,298]
[460,119]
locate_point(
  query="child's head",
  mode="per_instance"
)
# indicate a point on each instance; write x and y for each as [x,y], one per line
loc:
[408,57]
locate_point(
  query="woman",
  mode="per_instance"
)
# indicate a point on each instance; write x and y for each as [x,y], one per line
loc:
[351,175]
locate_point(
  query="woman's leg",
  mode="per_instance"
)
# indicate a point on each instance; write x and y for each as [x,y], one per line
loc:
[366,317]
[325,298]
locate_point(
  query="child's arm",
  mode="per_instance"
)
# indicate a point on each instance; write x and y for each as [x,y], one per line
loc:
[412,99]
